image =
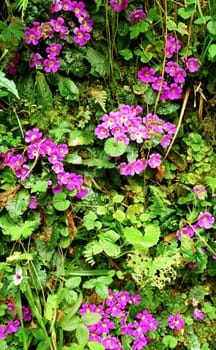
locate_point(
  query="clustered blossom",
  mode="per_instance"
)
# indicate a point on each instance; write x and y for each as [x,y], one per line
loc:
[13,326]
[12,65]
[125,125]
[200,191]
[116,306]
[118,5]
[169,86]
[176,321]
[65,27]
[40,146]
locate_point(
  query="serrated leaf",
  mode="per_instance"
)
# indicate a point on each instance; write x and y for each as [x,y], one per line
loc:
[152,234]
[18,205]
[71,324]
[39,186]
[111,249]
[114,149]
[18,230]
[60,202]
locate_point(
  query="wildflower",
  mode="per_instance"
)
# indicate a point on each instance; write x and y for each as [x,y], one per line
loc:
[33,202]
[104,326]
[171,68]
[180,75]
[192,64]
[78,8]
[102,132]
[51,65]
[13,326]
[54,49]
[174,91]
[198,314]
[17,278]
[173,45]
[66,5]
[33,136]
[176,322]
[58,167]
[34,151]
[35,60]
[26,313]
[119,5]
[81,36]
[81,193]
[159,83]
[146,75]
[140,343]
[2,332]
[200,191]
[137,15]
[56,189]
[192,265]
[205,220]
[23,172]
[154,160]
[57,24]
[32,36]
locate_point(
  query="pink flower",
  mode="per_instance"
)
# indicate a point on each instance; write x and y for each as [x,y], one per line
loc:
[146,75]
[33,136]
[205,220]
[174,92]
[35,60]
[32,36]
[54,49]
[200,191]
[51,65]
[192,64]
[137,15]
[154,160]
[119,5]
[176,322]
[33,202]
[102,132]
[198,314]
[81,36]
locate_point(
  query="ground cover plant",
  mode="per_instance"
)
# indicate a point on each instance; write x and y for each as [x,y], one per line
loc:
[107,175]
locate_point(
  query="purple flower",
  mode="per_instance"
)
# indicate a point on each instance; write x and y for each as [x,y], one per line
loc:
[32,36]
[192,265]
[171,68]
[62,149]
[81,193]
[111,343]
[205,220]
[104,326]
[192,64]
[81,36]
[146,75]
[51,65]
[102,132]
[159,83]
[154,160]
[56,189]
[26,314]
[33,136]
[34,151]
[133,167]
[180,75]
[173,45]
[17,278]
[176,322]
[35,60]
[2,332]
[200,191]
[48,147]
[174,91]
[58,167]
[54,49]
[78,8]
[198,314]
[33,202]
[57,24]
[66,5]
[13,326]
[23,172]
[119,5]
[140,343]
[137,15]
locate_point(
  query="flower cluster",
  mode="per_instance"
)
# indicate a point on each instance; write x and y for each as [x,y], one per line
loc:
[176,322]
[64,28]
[12,65]
[13,326]
[118,5]
[40,146]
[169,85]
[125,125]
[114,313]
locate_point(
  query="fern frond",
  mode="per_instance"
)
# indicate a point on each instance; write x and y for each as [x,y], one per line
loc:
[211,182]
[21,5]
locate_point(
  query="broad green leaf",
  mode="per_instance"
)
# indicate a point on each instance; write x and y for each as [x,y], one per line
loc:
[186,12]
[101,289]
[82,334]
[152,234]
[98,61]
[18,230]
[119,215]
[73,282]
[187,248]
[43,92]
[126,53]
[68,88]
[109,236]
[170,341]
[212,52]
[19,204]
[7,84]
[90,318]
[39,186]
[114,149]
[211,26]
[71,324]
[60,202]
[111,249]
[93,345]
[118,198]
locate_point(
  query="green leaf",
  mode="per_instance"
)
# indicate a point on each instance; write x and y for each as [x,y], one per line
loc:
[101,289]
[18,205]
[170,341]
[98,61]
[39,186]
[7,84]
[187,248]
[71,324]
[126,53]
[114,149]
[12,32]
[60,202]
[80,137]
[211,26]
[187,12]
[68,89]
[82,334]
[136,238]
[43,92]
[90,318]
[93,345]
[119,215]
[73,282]
[212,52]
[18,230]
[109,236]
[152,234]
[111,249]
